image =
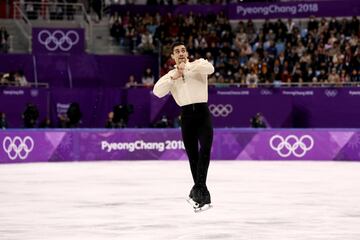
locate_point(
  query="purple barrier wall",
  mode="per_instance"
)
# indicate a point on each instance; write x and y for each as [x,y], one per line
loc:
[114,71]
[86,70]
[79,70]
[282,107]
[292,9]
[95,104]
[58,40]
[140,100]
[149,144]
[230,107]
[13,102]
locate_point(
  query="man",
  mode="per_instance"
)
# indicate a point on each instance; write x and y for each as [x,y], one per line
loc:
[188,84]
[3,122]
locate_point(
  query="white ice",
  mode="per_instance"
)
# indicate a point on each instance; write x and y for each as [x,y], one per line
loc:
[140,200]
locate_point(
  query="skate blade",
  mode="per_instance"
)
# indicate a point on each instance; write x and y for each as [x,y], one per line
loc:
[203,208]
[192,203]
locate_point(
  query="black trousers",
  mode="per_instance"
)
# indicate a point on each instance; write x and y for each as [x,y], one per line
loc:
[197,133]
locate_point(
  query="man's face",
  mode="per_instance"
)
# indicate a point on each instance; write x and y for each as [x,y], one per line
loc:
[180,54]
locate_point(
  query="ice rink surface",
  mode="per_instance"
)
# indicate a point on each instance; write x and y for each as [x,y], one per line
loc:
[146,200]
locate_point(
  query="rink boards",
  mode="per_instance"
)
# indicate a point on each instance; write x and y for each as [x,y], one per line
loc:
[20,146]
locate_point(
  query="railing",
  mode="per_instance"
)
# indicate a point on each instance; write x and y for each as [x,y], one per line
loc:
[29,84]
[285,85]
[268,85]
[34,13]
[23,23]
[10,43]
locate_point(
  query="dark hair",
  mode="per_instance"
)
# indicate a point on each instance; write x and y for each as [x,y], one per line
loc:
[175,44]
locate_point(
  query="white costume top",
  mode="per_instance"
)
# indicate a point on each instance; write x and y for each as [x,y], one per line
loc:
[192,88]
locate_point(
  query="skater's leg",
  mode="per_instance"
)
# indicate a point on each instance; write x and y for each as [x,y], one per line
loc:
[205,133]
[191,144]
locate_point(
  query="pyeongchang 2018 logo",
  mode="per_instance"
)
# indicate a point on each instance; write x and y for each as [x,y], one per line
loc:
[18,147]
[291,145]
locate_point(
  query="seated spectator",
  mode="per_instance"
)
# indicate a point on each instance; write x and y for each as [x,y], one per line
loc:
[5,79]
[4,36]
[30,116]
[31,10]
[258,121]
[344,77]
[2,79]
[109,122]
[53,9]
[162,123]
[146,45]
[177,122]
[333,76]
[252,78]
[60,11]
[70,11]
[20,79]
[117,31]
[131,37]
[46,123]
[97,6]
[3,121]
[74,115]
[119,117]
[131,82]
[148,78]
[62,121]
[297,76]
[322,76]
[355,76]
[240,76]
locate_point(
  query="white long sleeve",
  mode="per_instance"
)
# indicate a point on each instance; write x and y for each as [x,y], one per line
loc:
[193,88]
[164,85]
[203,66]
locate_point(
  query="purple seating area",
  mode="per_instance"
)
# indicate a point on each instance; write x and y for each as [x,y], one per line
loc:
[79,70]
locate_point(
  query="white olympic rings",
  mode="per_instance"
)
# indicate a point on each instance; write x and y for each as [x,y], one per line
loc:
[298,147]
[58,39]
[17,147]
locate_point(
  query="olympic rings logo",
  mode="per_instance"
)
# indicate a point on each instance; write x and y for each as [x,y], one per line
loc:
[58,39]
[220,110]
[266,92]
[331,93]
[17,147]
[291,145]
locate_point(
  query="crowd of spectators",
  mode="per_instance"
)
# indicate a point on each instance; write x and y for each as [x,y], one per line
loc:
[271,52]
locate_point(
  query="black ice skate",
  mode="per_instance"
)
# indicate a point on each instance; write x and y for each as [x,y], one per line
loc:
[199,199]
